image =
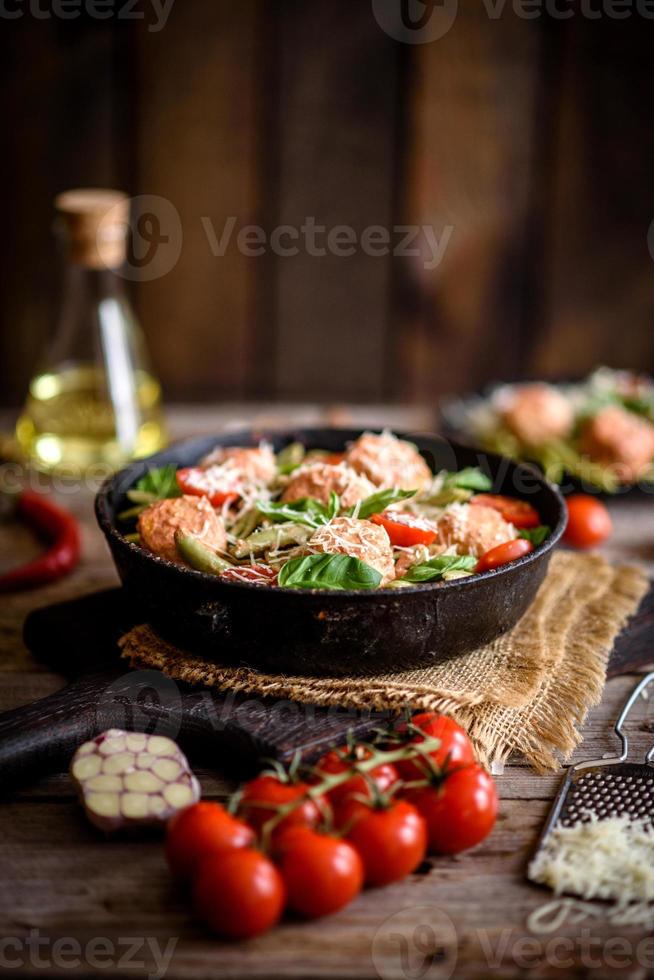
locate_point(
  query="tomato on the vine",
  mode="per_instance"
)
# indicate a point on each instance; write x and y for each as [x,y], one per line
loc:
[391,838]
[341,760]
[516,512]
[455,748]
[460,810]
[406,529]
[502,554]
[589,522]
[239,894]
[202,831]
[262,797]
[322,873]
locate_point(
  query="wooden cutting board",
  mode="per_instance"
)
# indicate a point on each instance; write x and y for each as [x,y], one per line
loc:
[79,639]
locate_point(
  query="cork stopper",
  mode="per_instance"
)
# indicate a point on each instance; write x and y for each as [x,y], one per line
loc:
[95,223]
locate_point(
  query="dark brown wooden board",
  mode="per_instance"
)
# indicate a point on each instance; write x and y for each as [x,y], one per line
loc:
[79,639]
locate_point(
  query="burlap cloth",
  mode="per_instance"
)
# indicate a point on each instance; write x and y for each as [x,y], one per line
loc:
[526,693]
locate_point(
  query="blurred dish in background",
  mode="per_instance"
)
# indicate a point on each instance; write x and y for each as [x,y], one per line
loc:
[599,431]
[94,401]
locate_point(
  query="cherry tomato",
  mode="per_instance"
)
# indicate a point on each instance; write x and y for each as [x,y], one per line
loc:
[455,748]
[262,796]
[197,482]
[503,554]
[340,760]
[406,529]
[239,894]
[201,831]
[391,839]
[460,812]
[589,522]
[258,574]
[334,458]
[321,873]
[516,512]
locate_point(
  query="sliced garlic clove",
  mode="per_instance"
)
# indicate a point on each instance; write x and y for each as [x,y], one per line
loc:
[129,779]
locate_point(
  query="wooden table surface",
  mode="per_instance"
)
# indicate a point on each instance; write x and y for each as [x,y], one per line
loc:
[72,902]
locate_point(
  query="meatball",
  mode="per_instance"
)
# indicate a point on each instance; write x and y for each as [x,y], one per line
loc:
[537,414]
[473,530]
[388,461]
[620,440]
[358,539]
[320,479]
[158,523]
[256,465]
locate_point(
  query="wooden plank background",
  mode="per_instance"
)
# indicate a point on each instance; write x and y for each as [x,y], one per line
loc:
[532,140]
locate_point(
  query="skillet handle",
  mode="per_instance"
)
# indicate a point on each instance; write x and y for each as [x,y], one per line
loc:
[41,737]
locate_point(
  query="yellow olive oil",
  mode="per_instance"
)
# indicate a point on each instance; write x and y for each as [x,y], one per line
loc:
[72,420]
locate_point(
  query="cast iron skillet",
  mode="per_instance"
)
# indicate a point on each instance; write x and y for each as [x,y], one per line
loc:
[321,632]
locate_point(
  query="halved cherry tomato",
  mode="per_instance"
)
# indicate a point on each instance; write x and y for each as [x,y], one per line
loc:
[262,797]
[589,522]
[201,831]
[258,574]
[321,873]
[391,838]
[196,482]
[239,894]
[340,760]
[516,512]
[406,529]
[460,811]
[455,748]
[503,554]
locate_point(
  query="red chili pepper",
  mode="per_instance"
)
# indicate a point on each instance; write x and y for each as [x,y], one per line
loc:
[60,530]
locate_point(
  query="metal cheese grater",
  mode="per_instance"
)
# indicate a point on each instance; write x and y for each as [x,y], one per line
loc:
[607,787]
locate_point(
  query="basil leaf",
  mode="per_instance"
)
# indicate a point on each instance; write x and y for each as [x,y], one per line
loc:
[308,511]
[161,483]
[535,534]
[378,502]
[470,478]
[337,572]
[431,571]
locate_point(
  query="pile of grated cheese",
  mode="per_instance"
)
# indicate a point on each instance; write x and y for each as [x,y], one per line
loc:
[610,859]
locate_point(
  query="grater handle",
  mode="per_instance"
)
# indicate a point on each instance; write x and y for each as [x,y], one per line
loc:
[624,714]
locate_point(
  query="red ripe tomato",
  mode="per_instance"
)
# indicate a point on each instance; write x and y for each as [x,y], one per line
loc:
[197,482]
[455,748]
[340,760]
[460,811]
[503,554]
[406,529]
[322,874]
[589,522]
[239,894]
[256,574]
[334,458]
[516,512]
[262,797]
[391,839]
[201,831]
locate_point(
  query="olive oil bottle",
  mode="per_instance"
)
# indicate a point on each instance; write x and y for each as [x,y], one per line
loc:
[94,402]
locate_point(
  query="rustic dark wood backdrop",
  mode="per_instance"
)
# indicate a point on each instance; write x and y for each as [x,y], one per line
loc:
[532,138]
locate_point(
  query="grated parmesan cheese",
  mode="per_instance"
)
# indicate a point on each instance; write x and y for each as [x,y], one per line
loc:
[610,859]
